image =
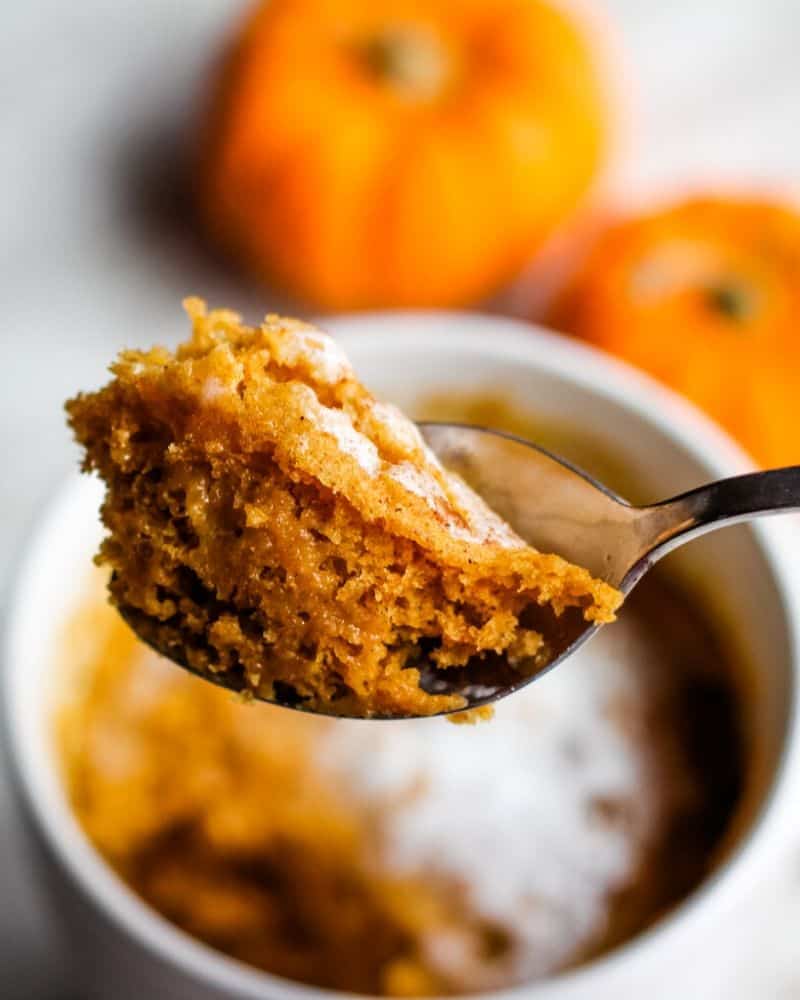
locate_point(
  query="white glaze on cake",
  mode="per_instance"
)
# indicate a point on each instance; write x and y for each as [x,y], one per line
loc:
[537,817]
[299,344]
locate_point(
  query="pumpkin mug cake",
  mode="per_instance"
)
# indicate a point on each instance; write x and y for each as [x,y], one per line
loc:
[413,859]
[272,525]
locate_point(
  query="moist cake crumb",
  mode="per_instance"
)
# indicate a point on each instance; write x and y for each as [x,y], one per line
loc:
[472,716]
[269,521]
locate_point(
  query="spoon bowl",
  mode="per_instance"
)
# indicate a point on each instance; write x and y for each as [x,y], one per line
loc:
[555,507]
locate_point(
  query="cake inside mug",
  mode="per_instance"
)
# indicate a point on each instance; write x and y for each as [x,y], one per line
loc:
[272,525]
[417,858]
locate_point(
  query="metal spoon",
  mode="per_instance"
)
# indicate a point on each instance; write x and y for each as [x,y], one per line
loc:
[558,508]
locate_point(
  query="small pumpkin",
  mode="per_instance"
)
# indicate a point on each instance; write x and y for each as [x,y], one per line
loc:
[408,152]
[705,295]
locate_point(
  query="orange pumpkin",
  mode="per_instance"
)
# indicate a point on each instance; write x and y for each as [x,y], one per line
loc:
[705,295]
[406,152]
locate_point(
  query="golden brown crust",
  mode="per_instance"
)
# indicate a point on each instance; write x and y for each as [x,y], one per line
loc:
[272,520]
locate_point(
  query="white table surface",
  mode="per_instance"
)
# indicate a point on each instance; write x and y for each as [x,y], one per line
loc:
[93,100]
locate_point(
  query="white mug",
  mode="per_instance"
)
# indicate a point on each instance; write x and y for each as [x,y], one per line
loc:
[124,950]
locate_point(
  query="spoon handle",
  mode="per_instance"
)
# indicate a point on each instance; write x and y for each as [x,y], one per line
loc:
[671,523]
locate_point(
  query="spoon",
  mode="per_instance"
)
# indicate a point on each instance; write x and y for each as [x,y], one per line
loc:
[557,508]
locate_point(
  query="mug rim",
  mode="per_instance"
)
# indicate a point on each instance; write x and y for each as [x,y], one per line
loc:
[41,788]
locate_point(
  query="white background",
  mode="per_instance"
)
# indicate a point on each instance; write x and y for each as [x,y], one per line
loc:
[95,101]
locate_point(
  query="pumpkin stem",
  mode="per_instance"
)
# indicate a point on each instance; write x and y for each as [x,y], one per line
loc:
[731,300]
[409,58]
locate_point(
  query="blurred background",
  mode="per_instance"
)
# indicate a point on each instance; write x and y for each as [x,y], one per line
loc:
[625,171]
